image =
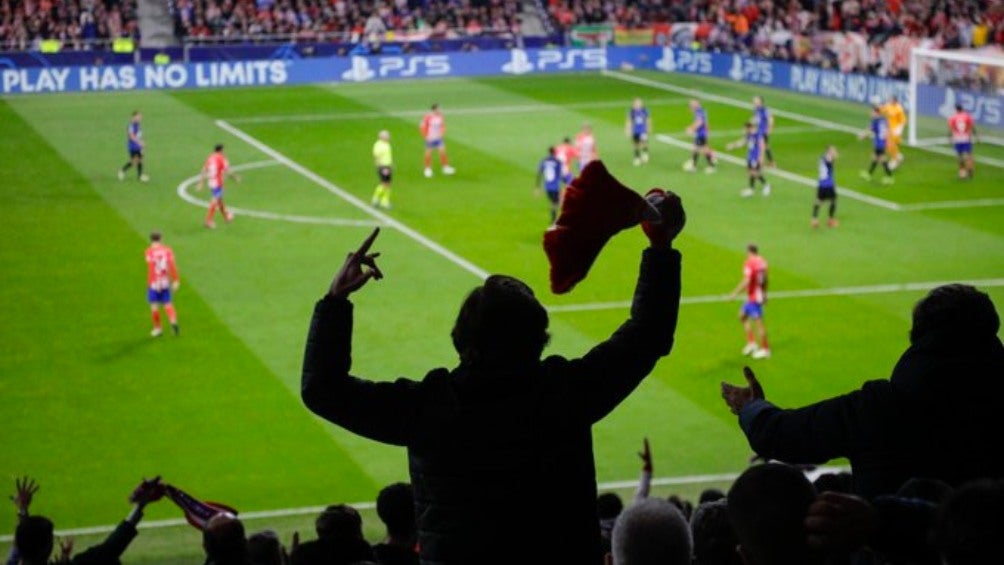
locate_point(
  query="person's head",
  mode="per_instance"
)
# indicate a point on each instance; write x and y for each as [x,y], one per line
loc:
[714,538]
[767,507]
[550,151]
[959,311]
[636,103]
[876,110]
[831,152]
[651,531]
[384,135]
[752,249]
[958,108]
[395,505]
[710,495]
[842,482]
[567,139]
[608,507]
[339,523]
[218,148]
[155,236]
[264,548]
[434,107]
[137,115]
[893,99]
[681,504]
[501,324]
[33,539]
[749,127]
[694,104]
[224,539]
[934,491]
[757,101]
[587,127]
[971,525]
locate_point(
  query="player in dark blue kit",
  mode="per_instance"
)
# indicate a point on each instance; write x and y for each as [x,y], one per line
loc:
[764,121]
[826,190]
[699,129]
[878,130]
[639,127]
[549,178]
[754,144]
[134,143]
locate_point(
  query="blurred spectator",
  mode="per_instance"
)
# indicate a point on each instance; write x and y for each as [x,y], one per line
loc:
[714,537]
[224,541]
[395,506]
[608,507]
[25,23]
[834,482]
[931,490]
[264,548]
[933,418]
[651,531]
[710,495]
[971,525]
[339,540]
[767,506]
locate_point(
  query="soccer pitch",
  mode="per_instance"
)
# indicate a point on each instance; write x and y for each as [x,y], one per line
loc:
[92,403]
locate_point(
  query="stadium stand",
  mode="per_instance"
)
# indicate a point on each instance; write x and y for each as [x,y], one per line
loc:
[65,24]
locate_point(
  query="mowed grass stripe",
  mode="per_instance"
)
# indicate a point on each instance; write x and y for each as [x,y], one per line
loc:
[92,403]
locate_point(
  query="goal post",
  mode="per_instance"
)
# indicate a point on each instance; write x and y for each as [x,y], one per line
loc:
[942,79]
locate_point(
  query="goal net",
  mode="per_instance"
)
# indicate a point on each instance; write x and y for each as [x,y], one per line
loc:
[941,79]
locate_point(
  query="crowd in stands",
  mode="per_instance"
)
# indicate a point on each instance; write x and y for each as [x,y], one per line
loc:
[76,23]
[343,20]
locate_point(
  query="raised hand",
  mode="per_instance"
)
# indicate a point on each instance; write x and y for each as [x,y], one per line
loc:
[646,457]
[352,276]
[672,217]
[65,550]
[150,490]
[25,489]
[738,397]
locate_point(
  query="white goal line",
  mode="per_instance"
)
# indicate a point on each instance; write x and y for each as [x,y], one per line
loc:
[786,294]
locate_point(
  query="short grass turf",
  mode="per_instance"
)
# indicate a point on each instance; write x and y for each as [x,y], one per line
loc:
[92,404]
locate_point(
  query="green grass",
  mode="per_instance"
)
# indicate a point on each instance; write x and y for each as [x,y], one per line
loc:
[92,404]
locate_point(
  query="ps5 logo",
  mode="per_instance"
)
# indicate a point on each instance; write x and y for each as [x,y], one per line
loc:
[519,63]
[751,70]
[522,62]
[397,67]
[360,70]
[684,61]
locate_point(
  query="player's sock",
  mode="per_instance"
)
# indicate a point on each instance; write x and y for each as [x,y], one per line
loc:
[427,161]
[443,160]
[871,168]
[211,212]
[815,211]
[139,170]
[694,157]
[770,156]
[385,198]
[885,166]
[554,215]
[172,315]
[833,209]
[126,166]
[750,338]
[710,158]
[155,314]
[762,180]
[763,341]
[752,182]
[377,194]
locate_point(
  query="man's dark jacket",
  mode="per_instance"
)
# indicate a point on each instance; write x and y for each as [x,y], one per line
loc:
[938,416]
[501,462]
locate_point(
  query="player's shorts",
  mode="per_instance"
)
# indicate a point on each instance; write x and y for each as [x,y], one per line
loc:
[700,141]
[963,148]
[135,152]
[639,136]
[753,164]
[433,143]
[826,193]
[752,310]
[158,296]
[879,151]
[553,195]
[384,173]
[218,192]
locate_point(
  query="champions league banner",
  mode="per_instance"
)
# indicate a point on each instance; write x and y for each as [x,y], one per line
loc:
[520,62]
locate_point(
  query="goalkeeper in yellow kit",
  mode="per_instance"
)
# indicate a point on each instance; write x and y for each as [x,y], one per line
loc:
[384,162]
[895,115]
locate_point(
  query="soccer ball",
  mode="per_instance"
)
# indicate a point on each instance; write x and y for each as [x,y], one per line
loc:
[876,100]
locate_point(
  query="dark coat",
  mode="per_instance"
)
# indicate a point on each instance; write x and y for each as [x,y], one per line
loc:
[938,416]
[501,462]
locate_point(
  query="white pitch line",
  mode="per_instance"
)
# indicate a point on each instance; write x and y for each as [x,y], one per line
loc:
[344,195]
[784,114]
[185,184]
[306,510]
[881,203]
[472,111]
[978,203]
[782,130]
[805,293]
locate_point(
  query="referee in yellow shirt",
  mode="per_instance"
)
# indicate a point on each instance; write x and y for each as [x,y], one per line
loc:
[384,162]
[895,115]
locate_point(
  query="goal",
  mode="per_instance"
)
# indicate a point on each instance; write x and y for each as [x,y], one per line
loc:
[941,79]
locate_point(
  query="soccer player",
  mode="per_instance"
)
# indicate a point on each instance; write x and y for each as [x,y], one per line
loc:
[384,161]
[638,128]
[565,152]
[161,279]
[134,143]
[754,282]
[215,170]
[549,178]
[755,146]
[764,121]
[585,146]
[826,189]
[699,129]
[895,115]
[433,128]
[878,130]
[963,133]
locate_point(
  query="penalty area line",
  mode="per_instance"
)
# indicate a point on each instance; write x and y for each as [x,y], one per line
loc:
[786,294]
[351,199]
[306,510]
[187,197]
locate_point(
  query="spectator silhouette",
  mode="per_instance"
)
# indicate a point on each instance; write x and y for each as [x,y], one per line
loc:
[971,525]
[608,507]
[767,506]
[504,425]
[650,531]
[33,539]
[714,538]
[225,541]
[395,506]
[710,495]
[264,548]
[932,418]
[339,540]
